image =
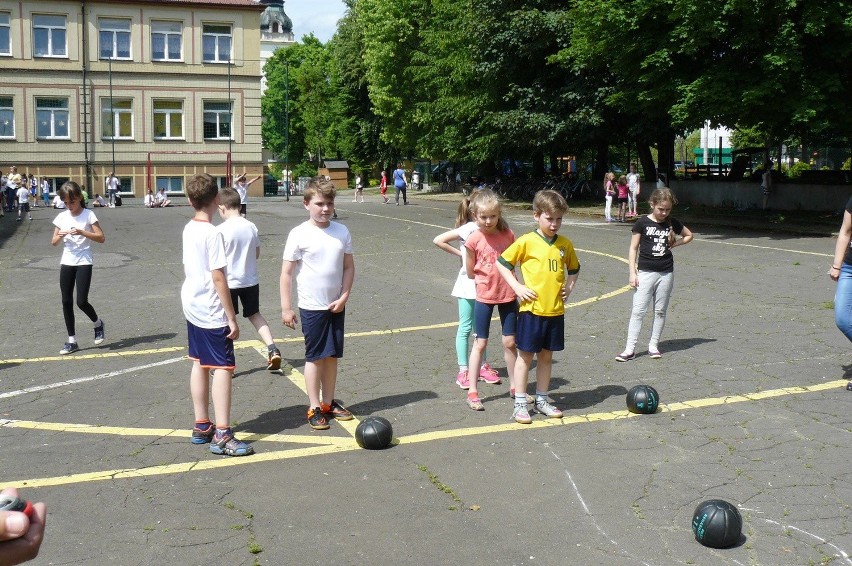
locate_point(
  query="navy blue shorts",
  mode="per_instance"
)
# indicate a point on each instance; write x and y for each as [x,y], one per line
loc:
[482,318]
[211,347]
[323,332]
[249,297]
[537,333]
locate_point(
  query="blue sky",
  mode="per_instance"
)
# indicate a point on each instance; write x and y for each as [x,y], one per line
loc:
[317,16]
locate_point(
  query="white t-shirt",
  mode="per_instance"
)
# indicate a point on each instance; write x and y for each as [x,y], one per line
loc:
[23,195]
[57,202]
[161,197]
[241,189]
[203,251]
[149,200]
[465,287]
[319,269]
[241,244]
[112,183]
[98,201]
[45,188]
[633,182]
[78,249]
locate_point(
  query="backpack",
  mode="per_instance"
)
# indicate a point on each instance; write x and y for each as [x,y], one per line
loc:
[117,199]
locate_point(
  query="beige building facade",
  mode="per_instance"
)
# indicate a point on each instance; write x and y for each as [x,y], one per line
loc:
[155,91]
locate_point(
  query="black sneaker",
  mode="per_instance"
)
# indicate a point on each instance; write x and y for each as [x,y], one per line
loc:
[274,360]
[849,386]
[69,348]
[337,411]
[99,333]
[317,420]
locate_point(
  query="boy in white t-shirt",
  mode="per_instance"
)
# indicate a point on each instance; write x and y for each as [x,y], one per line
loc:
[210,321]
[242,248]
[23,196]
[318,253]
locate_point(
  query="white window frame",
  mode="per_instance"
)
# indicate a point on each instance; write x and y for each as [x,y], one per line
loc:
[217,114]
[208,34]
[115,29]
[52,28]
[7,116]
[170,114]
[161,28]
[115,111]
[6,27]
[56,115]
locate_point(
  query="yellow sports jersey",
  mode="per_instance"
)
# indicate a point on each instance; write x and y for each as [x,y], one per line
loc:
[543,265]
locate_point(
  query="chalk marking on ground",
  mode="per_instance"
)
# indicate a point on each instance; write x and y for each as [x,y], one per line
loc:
[339,444]
[107,375]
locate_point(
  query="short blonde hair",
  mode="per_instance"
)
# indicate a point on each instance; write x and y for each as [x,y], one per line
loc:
[319,186]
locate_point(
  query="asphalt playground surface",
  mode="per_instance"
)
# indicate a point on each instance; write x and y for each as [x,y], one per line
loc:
[752,384]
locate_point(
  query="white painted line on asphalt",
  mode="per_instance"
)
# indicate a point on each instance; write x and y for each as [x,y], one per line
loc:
[56,385]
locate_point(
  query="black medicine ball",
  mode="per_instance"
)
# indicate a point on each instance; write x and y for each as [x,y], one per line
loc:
[717,524]
[643,400]
[374,433]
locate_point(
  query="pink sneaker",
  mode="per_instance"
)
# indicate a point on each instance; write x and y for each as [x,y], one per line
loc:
[488,374]
[462,380]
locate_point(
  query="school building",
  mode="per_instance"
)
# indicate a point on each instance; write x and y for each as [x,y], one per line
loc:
[155,91]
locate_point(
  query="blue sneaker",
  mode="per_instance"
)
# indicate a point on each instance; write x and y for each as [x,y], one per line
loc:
[202,436]
[227,445]
[69,348]
[99,333]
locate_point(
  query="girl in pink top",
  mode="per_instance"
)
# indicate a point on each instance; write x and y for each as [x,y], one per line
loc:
[483,249]
[621,192]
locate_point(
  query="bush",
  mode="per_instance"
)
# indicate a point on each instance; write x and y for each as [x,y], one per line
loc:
[797,168]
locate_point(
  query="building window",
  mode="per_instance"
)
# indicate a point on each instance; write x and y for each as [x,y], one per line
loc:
[5,34]
[117,118]
[166,41]
[7,117]
[114,36]
[49,36]
[217,120]
[171,184]
[216,43]
[168,119]
[52,118]
[126,185]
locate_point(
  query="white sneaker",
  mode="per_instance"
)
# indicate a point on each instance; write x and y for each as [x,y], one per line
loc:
[521,415]
[547,410]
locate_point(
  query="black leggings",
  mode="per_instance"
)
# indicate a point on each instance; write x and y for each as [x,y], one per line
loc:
[81,276]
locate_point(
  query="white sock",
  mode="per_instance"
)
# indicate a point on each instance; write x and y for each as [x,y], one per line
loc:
[72,339]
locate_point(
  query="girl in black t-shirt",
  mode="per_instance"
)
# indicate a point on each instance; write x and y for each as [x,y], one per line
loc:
[652,275]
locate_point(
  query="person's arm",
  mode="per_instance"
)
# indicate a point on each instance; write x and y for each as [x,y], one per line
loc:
[570,282]
[285,286]
[685,238]
[843,239]
[443,242]
[253,180]
[21,536]
[348,280]
[57,235]
[220,283]
[470,258]
[632,255]
[523,292]
[95,234]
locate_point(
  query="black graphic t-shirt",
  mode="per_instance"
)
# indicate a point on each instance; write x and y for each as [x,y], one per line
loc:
[654,251]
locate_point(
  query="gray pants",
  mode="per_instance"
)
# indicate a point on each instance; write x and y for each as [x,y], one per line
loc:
[656,287]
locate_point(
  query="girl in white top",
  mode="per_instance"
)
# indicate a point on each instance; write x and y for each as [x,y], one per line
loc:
[465,291]
[76,228]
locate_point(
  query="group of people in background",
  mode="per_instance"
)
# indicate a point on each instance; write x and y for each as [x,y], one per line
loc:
[625,192]
[22,192]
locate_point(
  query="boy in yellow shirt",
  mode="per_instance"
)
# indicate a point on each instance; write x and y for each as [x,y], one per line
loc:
[550,268]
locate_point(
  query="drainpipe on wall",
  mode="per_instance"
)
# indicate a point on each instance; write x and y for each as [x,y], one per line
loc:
[87,116]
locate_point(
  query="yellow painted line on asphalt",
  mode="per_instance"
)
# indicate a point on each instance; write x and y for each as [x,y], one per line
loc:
[339,444]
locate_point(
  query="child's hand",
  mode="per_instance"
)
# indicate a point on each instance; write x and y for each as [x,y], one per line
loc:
[634,281]
[235,330]
[526,294]
[337,306]
[288,318]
